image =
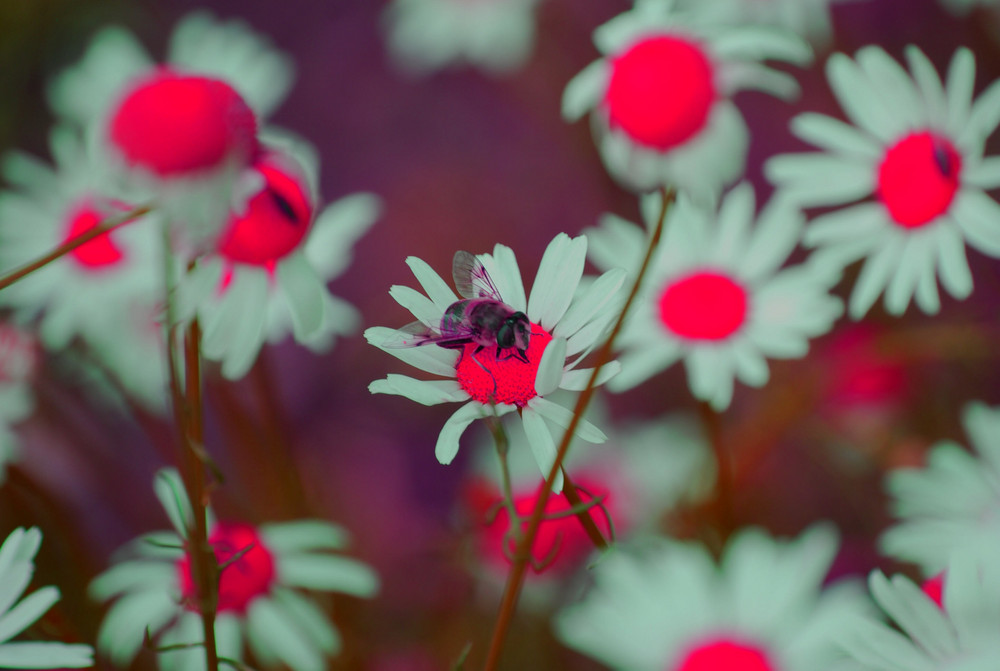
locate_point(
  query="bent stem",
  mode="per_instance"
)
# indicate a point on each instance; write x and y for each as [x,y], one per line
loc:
[65,248]
[515,579]
[187,406]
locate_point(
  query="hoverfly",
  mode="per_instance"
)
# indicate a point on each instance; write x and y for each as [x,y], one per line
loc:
[481,317]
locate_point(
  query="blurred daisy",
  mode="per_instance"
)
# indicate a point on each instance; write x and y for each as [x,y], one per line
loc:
[17,556]
[954,502]
[426,35]
[268,274]
[566,325]
[641,472]
[84,290]
[259,600]
[715,295]
[181,134]
[661,93]
[916,148]
[957,633]
[667,606]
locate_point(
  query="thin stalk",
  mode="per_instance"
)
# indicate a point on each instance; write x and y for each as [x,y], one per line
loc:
[71,244]
[187,406]
[724,468]
[515,579]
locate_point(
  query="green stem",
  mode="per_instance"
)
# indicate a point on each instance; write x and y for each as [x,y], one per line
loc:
[515,579]
[71,244]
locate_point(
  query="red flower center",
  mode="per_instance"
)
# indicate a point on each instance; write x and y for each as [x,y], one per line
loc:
[703,306]
[275,222]
[661,91]
[561,543]
[173,124]
[99,253]
[934,588]
[242,579]
[918,178]
[505,379]
[725,655]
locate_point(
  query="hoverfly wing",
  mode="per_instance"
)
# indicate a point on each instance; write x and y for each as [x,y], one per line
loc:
[417,333]
[471,278]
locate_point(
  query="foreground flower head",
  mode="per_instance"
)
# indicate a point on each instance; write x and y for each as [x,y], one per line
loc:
[953,503]
[181,134]
[959,632]
[426,35]
[667,606]
[267,274]
[260,601]
[84,291]
[661,93]
[17,556]
[715,295]
[914,158]
[566,323]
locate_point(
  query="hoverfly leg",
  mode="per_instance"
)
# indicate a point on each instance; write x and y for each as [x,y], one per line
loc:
[488,371]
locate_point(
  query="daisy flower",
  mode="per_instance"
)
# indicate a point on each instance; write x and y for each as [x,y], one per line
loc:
[259,600]
[566,325]
[426,35]
[267,275]
[667,606]
[180,134]
[17,556]
[959,632]
[715,295]
[84,290]
[953,503]
[661,94]
[914,160]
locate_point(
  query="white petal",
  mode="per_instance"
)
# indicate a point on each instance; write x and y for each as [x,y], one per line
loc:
[585,90]
[929,84]
[419,305]
[550,368]
[269,628]
[328,573]
[429,358]
[985,174]
[777,233]
[45,656]
[311,620]
[124,627]
[558,276]
[32,607]
[958,88]
[304,535]
[820,179]
[561,416]
[436,288]
[447,442]
[953,266]
[894,87]
[425,392]
[916,259]
[861,102]
[978,216]
[576,380]
[874,276]
[169,489]
[835,136]
[601,293]
[507,276]
[543,448]
[303,289]
[641,364]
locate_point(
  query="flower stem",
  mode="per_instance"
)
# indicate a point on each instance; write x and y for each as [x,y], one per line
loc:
[515,579]
[65,248]
[187,406]
[724,468]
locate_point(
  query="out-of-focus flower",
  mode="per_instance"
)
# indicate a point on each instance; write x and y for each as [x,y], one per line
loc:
[667,606]
[641,472]
[916,147]
[565,326]
[180,135]
[715,295]
[17,555]
[953,503]
[426,35]
[959,632]
[268,273]
[260,603]
[83,291]
[661,93]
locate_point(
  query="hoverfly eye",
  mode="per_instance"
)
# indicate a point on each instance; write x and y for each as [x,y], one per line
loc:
[505,335]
